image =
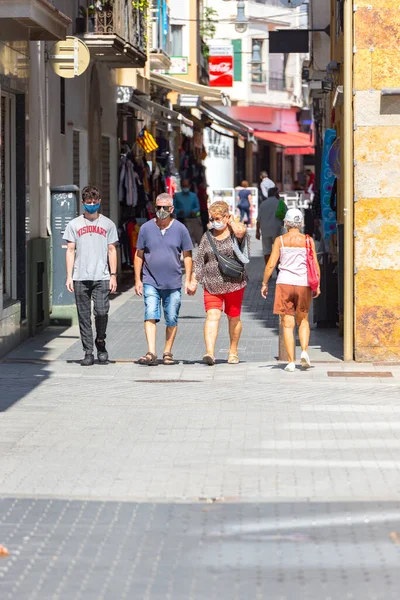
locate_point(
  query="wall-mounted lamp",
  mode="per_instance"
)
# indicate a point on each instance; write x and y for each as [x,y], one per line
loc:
[241,21]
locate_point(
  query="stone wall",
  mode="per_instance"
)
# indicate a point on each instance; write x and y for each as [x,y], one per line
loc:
[377,180]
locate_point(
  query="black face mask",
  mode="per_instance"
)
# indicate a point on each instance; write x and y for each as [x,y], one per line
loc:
[162,213]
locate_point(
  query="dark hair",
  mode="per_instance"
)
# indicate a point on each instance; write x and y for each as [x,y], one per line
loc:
[90,192]
[273,192]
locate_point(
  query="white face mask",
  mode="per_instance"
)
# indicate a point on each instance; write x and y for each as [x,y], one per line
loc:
[218,225]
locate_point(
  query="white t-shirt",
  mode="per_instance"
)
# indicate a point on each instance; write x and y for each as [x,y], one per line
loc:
[266,185]
[91,239]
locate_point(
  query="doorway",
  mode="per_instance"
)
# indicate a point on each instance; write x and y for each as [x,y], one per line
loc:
[8,208]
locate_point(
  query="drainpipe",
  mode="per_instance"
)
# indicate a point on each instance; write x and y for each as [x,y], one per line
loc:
[348,199]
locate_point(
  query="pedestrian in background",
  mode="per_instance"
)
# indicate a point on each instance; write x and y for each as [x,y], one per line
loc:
[91,260]
[265,185]
[292,294]
[222,292]
[187,209]
[160,244]
[203,201]
[244,202]
[269,226]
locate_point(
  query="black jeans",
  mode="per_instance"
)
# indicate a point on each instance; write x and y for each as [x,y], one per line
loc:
[85,291]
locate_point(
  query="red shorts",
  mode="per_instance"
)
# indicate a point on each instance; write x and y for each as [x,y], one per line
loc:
[232,301]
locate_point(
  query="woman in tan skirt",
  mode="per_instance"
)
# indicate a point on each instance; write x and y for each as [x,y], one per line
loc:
[293,295]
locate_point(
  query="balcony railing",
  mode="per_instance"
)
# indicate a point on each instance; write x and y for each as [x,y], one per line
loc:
[114,19]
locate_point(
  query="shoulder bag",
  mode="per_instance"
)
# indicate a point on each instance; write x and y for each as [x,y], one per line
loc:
[281,210]
[228,266]
[313,279]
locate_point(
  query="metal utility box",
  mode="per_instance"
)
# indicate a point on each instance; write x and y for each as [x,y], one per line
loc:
[64,208]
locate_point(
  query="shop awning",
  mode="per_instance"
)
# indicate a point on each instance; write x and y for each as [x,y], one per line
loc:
[226,121]
[185,87]
[294,143]
[155,109]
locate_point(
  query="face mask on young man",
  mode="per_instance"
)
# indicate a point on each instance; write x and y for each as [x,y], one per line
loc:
[91,208]
[163,212]
[185,190]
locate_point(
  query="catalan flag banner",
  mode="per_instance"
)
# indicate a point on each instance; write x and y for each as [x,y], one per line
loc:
[146,141]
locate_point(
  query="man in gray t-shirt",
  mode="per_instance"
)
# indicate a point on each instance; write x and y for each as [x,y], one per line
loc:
[91,254]
[268,225]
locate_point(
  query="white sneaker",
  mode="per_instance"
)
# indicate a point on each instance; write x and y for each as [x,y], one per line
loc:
[305,360]
[290,367]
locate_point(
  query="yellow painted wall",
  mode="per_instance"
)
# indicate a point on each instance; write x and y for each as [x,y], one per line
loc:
[194,57]
[376,175]
[377,180]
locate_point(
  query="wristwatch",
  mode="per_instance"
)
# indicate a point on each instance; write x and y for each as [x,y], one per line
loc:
[113,274]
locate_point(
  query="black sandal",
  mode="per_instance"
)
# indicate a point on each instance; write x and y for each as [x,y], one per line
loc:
[168,358]
[149,360]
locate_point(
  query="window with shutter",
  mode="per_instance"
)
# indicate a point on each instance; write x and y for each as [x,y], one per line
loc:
[237,60]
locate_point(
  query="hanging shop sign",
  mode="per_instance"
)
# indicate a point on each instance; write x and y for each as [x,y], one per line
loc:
[219,162]
[69,58]
[179,65]
[220,66]
[188,101]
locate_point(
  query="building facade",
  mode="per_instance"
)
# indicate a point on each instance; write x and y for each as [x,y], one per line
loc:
[267,92]
[55,132]
[364,126]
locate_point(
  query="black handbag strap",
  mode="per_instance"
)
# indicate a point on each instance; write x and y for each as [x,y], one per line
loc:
[212,243]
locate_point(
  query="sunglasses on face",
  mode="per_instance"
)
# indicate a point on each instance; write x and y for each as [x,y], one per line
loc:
[217,219]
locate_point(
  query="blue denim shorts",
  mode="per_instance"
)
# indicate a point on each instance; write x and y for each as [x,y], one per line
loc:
[170,301]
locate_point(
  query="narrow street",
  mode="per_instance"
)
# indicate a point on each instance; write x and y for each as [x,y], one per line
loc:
[233,481]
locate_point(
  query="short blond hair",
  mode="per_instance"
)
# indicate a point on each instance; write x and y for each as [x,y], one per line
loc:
[219,208]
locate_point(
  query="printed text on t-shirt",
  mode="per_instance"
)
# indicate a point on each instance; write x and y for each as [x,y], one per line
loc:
[92,229]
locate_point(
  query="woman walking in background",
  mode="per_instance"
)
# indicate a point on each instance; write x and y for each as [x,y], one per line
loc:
[244,197]
[293,294]
[230,240]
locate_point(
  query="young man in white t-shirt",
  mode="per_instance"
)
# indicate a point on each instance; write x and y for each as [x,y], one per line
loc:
[92,271]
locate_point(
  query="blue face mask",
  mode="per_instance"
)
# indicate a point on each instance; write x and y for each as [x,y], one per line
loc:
[91,208]
[185,190]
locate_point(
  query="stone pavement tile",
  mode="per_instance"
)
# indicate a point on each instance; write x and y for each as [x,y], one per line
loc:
[273,550]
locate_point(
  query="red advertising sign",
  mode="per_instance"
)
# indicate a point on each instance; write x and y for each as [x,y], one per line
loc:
[220,69]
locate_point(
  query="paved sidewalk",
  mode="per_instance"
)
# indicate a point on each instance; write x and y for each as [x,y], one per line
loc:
[195,482]
[126,341]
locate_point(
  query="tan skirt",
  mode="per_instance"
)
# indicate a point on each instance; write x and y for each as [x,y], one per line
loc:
[292,299]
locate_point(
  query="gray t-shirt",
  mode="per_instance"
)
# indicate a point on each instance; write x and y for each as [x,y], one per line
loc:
[270,225]
[91,239]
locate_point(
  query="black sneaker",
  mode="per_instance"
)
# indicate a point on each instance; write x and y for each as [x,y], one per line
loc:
[88,361]
[102,353]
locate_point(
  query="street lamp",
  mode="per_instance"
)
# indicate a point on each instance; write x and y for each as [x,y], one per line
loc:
[241,21]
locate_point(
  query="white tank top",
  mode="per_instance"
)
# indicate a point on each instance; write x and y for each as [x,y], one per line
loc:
[292,266]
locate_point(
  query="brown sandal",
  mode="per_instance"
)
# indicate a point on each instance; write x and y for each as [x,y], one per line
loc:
[168,358]
[149,359]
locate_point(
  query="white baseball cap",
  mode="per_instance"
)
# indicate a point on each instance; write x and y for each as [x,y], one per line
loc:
[294,215]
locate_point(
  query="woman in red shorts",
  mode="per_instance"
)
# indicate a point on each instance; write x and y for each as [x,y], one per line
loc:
[220,291]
